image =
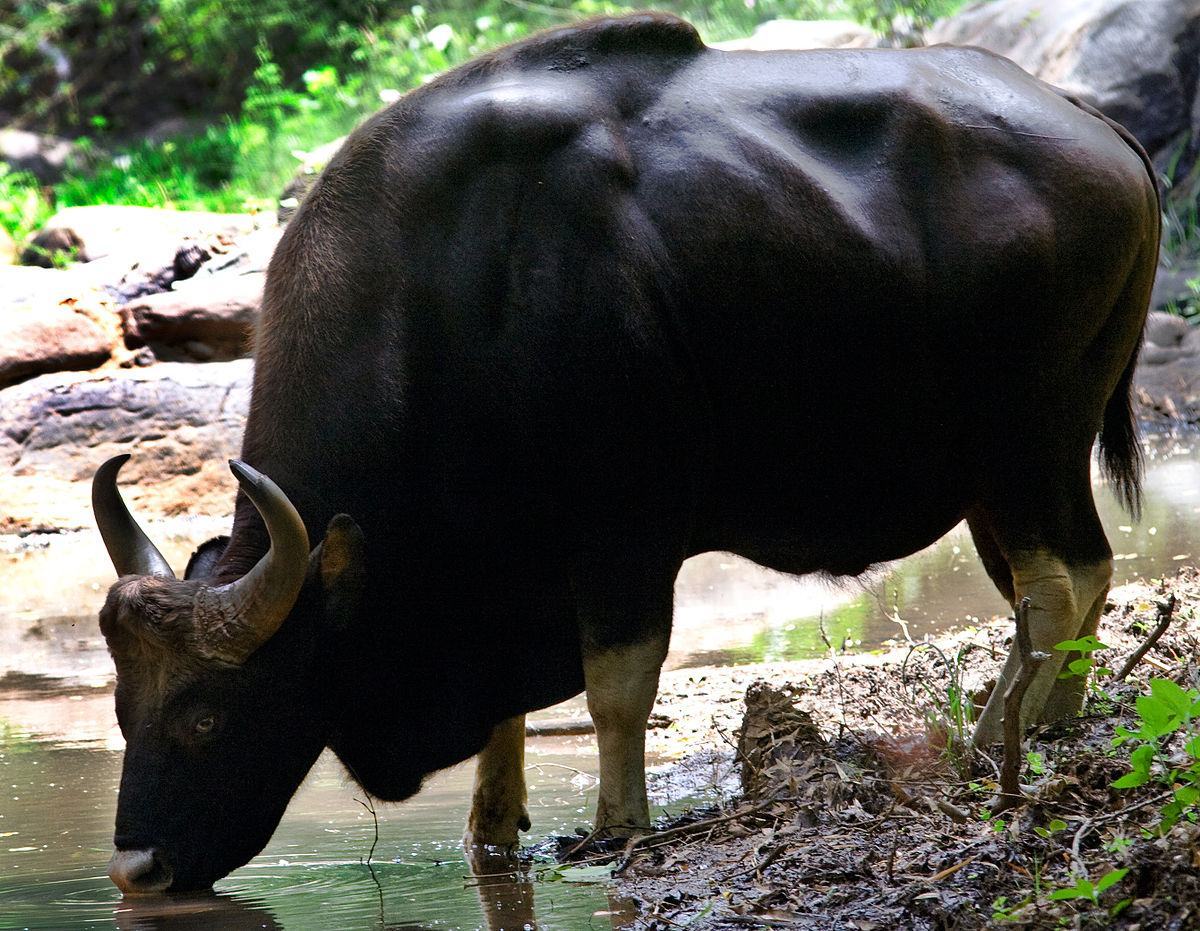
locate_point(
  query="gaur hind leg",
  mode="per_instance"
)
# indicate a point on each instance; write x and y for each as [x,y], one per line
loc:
[1057,557]
[625,628]
[499,803]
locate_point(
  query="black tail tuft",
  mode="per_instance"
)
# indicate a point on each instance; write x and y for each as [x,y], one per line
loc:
[1120,450]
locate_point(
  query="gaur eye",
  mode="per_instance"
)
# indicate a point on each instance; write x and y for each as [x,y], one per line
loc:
[204,725]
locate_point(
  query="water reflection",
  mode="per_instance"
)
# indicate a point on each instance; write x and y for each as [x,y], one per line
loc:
[193,913]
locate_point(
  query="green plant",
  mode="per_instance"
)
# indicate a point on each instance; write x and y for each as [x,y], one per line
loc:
[23,206]
[1088,891]
[950,710]
[1168,709]
[1055,825]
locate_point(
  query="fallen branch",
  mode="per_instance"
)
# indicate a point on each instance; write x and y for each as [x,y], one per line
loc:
[658,838]
[1010,795]
[1166,613]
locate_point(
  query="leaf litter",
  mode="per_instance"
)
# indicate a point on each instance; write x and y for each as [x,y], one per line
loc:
[860,806]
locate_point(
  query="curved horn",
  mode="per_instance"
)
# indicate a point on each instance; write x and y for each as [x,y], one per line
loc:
[258,602]
[130,549]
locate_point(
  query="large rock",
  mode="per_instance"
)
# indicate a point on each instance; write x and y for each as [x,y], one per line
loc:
[133,235]
[1167,381]
[804,34]
[1173,284]
[178,416]
[51,321]
[206,319]
[42,156]
[1136,60]
[49,340]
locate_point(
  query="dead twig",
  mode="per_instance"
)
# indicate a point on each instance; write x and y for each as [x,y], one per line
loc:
[1166,613]
[1010,795]
[659,838]
[1078,867]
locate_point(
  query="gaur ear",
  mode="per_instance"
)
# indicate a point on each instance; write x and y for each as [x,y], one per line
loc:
[341,570]
[204,560]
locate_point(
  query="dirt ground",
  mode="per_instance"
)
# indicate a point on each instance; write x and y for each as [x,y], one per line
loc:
[859,809]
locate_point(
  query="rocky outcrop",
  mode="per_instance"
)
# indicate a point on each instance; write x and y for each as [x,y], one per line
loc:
[1136,60]
[132,234]
[42,156]
[53,321]
[1167,383]
[804,34]
[49,340]
[177,415]
[212,318]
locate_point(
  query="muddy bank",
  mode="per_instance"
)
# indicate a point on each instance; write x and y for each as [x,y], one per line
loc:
[851,812]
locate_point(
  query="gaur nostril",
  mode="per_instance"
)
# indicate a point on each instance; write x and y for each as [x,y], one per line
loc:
[139,872]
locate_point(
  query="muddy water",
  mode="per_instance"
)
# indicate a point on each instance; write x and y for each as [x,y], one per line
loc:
[56,823]
[60,750]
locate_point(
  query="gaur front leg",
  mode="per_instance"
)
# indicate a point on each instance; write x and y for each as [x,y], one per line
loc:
[499,803]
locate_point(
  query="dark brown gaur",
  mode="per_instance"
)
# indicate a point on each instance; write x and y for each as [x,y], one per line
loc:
[587,306]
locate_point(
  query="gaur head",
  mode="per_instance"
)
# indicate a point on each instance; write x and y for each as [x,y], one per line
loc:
[222,689]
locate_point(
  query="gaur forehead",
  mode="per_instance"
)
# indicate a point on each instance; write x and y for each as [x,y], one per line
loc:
[147,623]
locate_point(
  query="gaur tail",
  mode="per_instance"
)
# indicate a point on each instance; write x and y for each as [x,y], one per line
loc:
[1121,457]
[1120,448]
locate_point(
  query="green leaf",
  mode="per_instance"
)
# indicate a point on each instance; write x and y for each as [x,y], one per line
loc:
[1131,780]
[585,874]
[1140,760]
[1158,719]
[1057,825]
[1088,644]
[1171,695]
[1110,878]
[1083,889]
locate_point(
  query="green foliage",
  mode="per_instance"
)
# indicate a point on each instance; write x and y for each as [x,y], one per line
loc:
[896,18]
[949,711]
[1084,665]
[1167,710]
[272,80]
[23,207]
[1085,889]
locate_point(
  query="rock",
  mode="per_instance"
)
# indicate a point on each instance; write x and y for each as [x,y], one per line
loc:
[217,313]
[1135,60]
[41,155]
[50,248]
[1165,330]
[70,333]
[134,234]
[1167,380]
[178,416]
[804,34]
[1171,285]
